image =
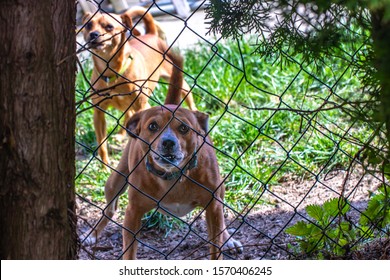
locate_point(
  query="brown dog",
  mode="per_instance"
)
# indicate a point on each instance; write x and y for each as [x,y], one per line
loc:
[125,71]
[169,164]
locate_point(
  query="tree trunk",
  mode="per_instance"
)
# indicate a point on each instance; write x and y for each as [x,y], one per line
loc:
[37,121]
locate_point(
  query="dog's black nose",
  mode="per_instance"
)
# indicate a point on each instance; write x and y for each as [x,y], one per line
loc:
[168,144]
[94,35]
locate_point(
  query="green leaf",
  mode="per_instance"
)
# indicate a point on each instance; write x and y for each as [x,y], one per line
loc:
[332,234]
[345,207]
[331,206]
[374,206]
[299,229]
[366,232]
[316,232]
[339,251]
[336,206]
[343,242]
[315,211]
[345,226]
[377,211]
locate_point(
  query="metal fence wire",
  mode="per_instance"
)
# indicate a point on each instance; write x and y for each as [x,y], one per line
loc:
[287,152]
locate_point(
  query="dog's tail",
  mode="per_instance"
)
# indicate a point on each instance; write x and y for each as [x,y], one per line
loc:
[176,81]
[151,26]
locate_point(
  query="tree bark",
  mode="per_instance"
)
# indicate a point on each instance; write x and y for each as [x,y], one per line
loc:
[37,121]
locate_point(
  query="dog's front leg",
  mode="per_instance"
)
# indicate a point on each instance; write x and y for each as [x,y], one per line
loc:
[132,225]
[215,228]
[99,122]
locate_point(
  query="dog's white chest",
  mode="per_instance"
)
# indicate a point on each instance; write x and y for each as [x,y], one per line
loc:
[177,209]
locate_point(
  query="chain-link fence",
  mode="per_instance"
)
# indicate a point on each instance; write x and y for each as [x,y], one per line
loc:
[303,177]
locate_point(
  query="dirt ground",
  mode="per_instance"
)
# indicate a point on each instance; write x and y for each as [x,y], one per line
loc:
[260,229]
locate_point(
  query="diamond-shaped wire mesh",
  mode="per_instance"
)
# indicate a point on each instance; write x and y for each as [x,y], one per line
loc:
[281,141]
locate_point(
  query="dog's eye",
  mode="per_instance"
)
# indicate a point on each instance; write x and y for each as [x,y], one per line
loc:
[89,25]
[109,27]
[153,126]
[183,129]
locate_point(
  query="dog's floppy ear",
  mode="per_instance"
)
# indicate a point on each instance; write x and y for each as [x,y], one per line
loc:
[128,22]
[86,17]
[133,125]
[203,120]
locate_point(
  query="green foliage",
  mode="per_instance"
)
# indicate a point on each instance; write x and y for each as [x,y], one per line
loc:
[310,32]
[310,28]
[331,234]
[165,223]
[327,232]
[377,214]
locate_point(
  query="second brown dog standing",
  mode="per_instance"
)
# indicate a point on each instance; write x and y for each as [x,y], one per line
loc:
[169,164]
[125,71]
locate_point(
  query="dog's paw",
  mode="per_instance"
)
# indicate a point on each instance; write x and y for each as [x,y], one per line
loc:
[233,246]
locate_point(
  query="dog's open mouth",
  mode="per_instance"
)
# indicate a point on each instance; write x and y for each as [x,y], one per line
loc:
[96,45]
[168,159]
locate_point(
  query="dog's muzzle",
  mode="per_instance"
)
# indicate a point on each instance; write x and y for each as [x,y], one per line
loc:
[168,151]
[168,156]
[171,175]
[95,40]
[94,35]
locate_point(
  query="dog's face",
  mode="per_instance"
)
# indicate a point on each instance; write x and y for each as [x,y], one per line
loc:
[171,138]
[103,32]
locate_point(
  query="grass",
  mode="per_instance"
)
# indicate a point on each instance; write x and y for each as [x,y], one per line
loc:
[282,133]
